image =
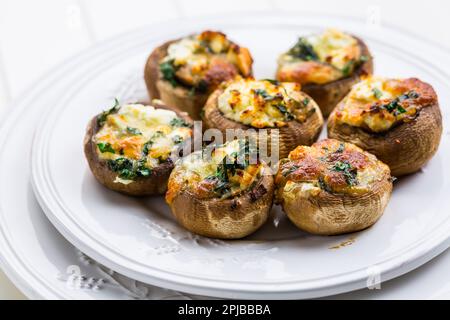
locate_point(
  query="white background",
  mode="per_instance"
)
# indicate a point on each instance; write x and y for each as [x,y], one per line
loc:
[35,35]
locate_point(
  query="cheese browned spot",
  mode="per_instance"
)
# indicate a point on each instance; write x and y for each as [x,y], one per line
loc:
[204,60]
[320,58]
[378,104]
[329,166]
[136,138]
[225,172]
[265,103]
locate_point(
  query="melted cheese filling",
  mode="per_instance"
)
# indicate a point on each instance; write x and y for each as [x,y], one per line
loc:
[335,47]
[331,166]
[127,132]
[263,103]
[203,174]
[377,104]
[335,55]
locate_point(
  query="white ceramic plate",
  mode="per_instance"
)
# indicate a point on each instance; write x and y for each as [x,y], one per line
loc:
[140,239]
[33,254]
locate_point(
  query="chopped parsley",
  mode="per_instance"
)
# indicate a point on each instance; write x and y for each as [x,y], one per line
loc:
[101,119]
[289,170]
[168,72]
[263,93]
[306,101]
[347,170]
[303,50]
[272,81]
[178,122]
[348,68]
[177,139]
[341,148]
[364,58]
[134,131]
[105,147]
[149,143]
[129,169]
[287,114]
[324,186]
[377,93]
[229,165]
[399,110]
[395,106]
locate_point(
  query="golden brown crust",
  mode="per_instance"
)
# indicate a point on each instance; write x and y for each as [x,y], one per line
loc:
[328,95]
[154,184]
[333,214]
[231,218]
[404,148]
[290,136]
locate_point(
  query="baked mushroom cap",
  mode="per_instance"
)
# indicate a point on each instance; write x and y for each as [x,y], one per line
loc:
[220,197]
[290,116]
[129,147]
[183,72]
[332,187]
[399,121]
[326,65]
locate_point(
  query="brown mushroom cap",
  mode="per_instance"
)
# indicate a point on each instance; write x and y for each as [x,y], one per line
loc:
[181,97]
[333,205]
[290,136]
[333,214]
[404,148]
[155,183]
[328,95]
[231,218]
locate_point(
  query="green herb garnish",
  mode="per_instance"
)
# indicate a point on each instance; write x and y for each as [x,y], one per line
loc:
[289,170]
[105,147]
[306,101]
[228,167]
[348,68]
[323,185]
[123,166]
[178,122]
[303,50]
[272,81]
[341,148]
[287,114]
[263,93]
[177,139]
[168,72]
[134,131]
[377,93]
[147,146]
[399,110]
[347,170]
[101,119]
[129,169]
[364,58]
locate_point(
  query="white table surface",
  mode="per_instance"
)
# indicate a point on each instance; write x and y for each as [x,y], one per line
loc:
[37,35]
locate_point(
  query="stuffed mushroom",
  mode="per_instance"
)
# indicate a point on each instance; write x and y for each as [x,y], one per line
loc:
[221,193]
[129,148]
[185,71]
[326,65]
[398,120]
[332,187]
[289,115]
